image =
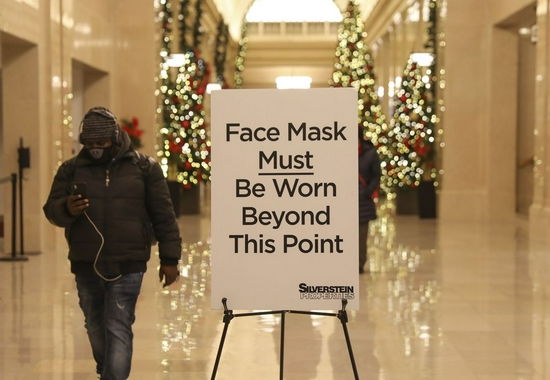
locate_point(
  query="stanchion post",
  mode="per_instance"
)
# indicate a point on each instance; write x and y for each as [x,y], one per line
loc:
[13,212]
[13,257]
[24,160]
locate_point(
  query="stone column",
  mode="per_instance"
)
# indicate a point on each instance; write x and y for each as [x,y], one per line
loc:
[539,213]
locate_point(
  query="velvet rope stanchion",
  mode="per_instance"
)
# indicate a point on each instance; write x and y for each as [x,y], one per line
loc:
[13,257]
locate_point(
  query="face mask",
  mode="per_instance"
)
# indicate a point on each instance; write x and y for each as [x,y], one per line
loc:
[101,155]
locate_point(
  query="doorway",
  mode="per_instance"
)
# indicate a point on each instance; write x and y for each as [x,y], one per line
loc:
[523,23]
[90,88]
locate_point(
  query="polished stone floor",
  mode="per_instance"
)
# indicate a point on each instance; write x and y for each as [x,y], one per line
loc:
[441,301]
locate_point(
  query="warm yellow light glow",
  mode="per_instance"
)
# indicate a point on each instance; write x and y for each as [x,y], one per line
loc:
[212,87]
[294,11]
[300,82]
[423,59]
[175,60]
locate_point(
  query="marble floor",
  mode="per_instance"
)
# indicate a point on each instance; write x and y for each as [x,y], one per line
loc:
[441,301]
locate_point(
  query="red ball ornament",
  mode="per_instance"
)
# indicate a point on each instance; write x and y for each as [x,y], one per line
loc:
[421,151]
[174,148]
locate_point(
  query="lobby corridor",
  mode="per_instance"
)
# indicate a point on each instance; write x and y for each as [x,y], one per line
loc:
[441,301]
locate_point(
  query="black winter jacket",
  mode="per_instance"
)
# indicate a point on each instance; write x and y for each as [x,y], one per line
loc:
[129,206]
[369,169]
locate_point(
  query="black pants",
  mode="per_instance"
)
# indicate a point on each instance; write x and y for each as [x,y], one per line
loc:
[363,234]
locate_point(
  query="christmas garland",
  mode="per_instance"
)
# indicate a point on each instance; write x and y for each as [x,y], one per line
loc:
[182,19]
[220,53]
[239,61]
[197,27]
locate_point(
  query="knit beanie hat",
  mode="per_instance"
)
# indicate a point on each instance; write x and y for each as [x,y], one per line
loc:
[98,123]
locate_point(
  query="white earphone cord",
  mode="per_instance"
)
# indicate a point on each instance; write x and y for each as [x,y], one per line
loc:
[99,251]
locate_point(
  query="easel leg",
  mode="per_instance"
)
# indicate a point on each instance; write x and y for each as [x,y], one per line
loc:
[227,317]
[343,317]
[282,348]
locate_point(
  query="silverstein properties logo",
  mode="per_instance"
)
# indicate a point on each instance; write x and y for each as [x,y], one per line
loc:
[328,292]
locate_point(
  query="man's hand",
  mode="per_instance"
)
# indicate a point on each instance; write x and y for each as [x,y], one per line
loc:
[76,205]
[168,273]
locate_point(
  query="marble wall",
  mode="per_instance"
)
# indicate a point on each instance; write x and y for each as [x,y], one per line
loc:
[494,129]
[58,59]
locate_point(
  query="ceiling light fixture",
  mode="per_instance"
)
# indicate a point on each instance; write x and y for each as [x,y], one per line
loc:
[289,82]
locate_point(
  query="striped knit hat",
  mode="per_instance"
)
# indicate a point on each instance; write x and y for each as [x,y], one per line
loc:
[98,123]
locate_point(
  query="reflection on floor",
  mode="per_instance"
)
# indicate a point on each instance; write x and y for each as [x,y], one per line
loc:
[441,301]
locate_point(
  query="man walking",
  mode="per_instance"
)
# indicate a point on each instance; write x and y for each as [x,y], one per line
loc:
[112,201]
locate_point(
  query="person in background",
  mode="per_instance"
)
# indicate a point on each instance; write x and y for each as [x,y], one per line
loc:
[109,228]
[369,183]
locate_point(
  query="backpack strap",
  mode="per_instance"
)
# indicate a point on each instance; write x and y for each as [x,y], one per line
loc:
[144,162]
[69,167]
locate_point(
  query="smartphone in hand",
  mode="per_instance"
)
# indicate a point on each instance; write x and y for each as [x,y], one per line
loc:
[79,188]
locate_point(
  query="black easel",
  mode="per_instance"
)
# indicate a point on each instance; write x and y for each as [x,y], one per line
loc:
[228,316]
[13,257]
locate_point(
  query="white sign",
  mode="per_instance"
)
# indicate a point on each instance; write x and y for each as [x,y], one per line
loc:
[284,199]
